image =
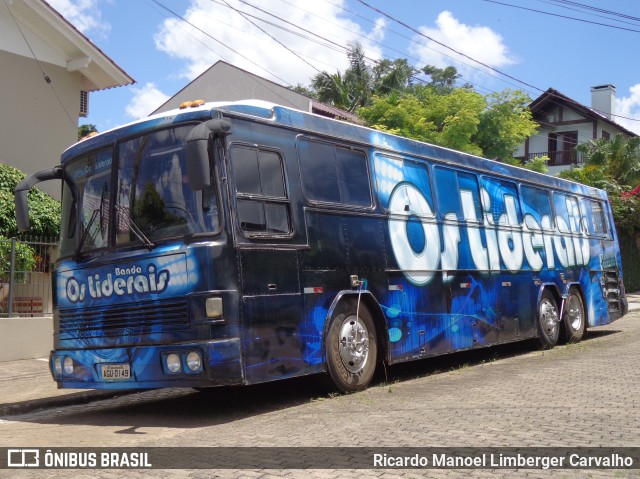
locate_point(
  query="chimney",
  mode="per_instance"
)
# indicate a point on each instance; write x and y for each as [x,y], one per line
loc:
[603,99]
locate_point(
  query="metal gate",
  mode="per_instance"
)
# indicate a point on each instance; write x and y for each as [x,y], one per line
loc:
[25,276]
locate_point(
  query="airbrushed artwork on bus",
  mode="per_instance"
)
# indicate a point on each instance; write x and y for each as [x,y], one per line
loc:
[246,242]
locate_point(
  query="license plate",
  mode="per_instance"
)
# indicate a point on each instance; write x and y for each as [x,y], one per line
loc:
[115,372]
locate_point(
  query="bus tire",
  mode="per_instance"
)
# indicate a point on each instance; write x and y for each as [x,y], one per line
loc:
[574,317]
[351,347]
[548,320]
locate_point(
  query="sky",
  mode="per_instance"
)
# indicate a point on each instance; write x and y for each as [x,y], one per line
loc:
[531,45]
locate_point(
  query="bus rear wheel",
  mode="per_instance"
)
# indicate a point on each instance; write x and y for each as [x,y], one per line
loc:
[351,347]
[548,320]
[574,317]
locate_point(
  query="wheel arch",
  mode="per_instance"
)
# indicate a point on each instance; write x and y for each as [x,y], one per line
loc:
[555,291]
[368,299]
[580,290]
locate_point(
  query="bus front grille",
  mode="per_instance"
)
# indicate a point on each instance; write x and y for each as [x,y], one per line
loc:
[144,317]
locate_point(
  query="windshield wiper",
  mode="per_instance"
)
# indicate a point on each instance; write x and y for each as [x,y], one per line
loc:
[135,229]
[85,233]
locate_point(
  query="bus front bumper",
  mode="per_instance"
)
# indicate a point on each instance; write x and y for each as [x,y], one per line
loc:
[200,364]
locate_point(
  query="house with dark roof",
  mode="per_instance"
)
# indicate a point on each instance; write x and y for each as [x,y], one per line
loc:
[565,123]
[226,82]
[48,70]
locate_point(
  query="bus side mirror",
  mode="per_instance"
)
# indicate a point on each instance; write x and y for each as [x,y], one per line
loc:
[198,169]
[21,192]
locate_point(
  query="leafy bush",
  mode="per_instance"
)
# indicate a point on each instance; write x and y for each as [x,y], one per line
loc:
[25,260]
[44,211]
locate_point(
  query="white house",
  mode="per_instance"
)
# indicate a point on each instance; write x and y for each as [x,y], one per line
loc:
[565,123]
[48,68]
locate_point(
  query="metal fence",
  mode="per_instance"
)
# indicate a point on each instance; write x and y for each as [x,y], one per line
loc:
[25,276]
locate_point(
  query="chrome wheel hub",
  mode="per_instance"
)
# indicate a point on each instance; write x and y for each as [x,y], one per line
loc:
[574,313]
[354,344]
[549,318]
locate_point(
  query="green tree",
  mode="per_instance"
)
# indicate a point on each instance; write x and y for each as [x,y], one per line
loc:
[614,165]
[44,210]
[618,160]
[455,117]
[424,114]
[25,260]
[348,90]
[303,90]
[538,164]
[84,130]
[391,76]
[504,124]
[442,79]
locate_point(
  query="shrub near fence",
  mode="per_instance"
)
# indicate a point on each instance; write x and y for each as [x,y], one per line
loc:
[28,291]
[630,252]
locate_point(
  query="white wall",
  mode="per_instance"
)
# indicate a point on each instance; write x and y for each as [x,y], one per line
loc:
[25,338]
[39,120]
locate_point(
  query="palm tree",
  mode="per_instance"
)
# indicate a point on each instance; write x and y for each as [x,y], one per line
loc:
[350,90]
[331,89]
[618,159]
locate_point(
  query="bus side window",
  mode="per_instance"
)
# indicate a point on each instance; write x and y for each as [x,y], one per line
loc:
[536,208]
[503,200]
[567,213]
[263,205]
[334,174]
[594,217]
[458,194]
[404,170]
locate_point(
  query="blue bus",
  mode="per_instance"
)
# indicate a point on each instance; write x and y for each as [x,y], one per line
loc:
[244,242]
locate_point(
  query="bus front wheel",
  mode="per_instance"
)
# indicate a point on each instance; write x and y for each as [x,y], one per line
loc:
[351,347]
[548,320]
[574,318]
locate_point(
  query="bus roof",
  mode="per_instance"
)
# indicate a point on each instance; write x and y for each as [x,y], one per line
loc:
[267,112]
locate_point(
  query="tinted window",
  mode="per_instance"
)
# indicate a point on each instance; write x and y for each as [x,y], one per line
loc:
[536,205]
[334,174]
[411,172]
[262,202]
[458,194]
[503,200]
[594,217]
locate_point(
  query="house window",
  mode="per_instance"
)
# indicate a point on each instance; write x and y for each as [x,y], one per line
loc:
[606,135]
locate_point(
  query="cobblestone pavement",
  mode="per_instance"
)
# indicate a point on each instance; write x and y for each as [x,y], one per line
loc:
[582,395]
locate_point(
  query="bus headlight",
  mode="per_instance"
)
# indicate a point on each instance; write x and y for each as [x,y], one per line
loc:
[68,365]
[173,363]
[57,365]
[194,361]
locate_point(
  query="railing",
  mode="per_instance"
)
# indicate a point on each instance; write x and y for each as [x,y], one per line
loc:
[557,158]
[25,276]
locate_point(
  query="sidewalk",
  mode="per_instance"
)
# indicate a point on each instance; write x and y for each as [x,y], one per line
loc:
[26,385]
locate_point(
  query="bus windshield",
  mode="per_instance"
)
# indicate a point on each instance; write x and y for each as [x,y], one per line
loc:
[152,198]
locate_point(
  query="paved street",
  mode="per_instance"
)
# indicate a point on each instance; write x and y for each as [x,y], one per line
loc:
[514,396]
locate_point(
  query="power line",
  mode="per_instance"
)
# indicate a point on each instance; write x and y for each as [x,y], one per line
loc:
[597,9]
[271,36]
[46,77]
[457,52]
[577,9]
[218,41]
[562,16]
[533,87]
[329,43]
